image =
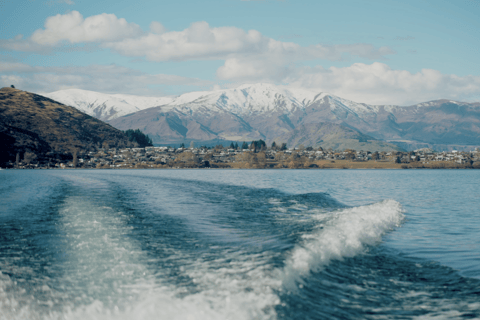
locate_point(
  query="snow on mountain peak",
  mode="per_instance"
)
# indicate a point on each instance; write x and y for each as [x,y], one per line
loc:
[248,98]
[243,100]
[105,106]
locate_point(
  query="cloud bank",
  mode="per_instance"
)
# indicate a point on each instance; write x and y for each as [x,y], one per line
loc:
[377,83]
[199,41]
[374,83]
[248,56]
[101,78]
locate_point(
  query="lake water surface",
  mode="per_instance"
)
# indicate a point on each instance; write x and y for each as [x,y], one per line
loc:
[239,244]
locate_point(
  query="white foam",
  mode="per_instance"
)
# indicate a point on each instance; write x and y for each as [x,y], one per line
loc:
[239,291]
[104,263]
[230,285]
[345,234]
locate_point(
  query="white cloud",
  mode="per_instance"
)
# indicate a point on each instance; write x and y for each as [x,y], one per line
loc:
[377,83]
[197,42]
[248,56]
[279,62]
[14,67]
[202,42]
[101,78]
[272,69]
[374,83]
[22,45]
[72,27]
[157,27]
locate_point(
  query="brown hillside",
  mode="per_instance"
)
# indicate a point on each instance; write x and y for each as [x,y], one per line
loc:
[332,136]
[32,122]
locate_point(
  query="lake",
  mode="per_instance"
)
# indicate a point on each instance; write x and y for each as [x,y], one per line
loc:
[239,244]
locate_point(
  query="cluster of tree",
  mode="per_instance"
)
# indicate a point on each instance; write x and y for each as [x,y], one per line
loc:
[139,137]
[281,147]
[259,145]
[256,146]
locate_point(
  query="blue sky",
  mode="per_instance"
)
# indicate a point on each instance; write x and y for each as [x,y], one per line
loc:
[392,52]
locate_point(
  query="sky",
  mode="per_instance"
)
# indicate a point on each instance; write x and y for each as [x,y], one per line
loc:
[371,51]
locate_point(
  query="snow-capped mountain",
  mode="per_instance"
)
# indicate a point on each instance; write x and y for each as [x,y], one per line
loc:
[105,106]
[273,113]
[244,100]
[248,99]
[262,98]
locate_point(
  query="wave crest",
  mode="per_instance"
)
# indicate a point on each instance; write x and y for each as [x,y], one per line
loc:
[343,234]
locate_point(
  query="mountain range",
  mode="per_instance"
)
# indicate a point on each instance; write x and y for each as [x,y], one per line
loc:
[294,116]
[103,106]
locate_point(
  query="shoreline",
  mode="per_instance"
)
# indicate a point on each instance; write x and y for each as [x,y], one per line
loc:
[329,166]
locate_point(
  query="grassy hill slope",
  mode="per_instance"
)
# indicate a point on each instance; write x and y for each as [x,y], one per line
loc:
[30,122]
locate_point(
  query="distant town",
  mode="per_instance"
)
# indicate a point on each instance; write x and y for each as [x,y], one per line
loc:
[253,156]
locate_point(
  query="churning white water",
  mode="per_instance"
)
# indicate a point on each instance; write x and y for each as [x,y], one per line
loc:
[218,245]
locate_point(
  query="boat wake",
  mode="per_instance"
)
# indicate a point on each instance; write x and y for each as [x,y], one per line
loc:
[104,252]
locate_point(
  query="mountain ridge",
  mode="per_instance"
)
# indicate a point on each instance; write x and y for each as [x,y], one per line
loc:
[105,106]
[34,123]
[266,111]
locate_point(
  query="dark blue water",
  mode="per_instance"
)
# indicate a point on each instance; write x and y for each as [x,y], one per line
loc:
[240,244]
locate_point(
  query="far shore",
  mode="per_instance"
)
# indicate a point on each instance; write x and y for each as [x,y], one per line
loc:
[250,158]
[319,164]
